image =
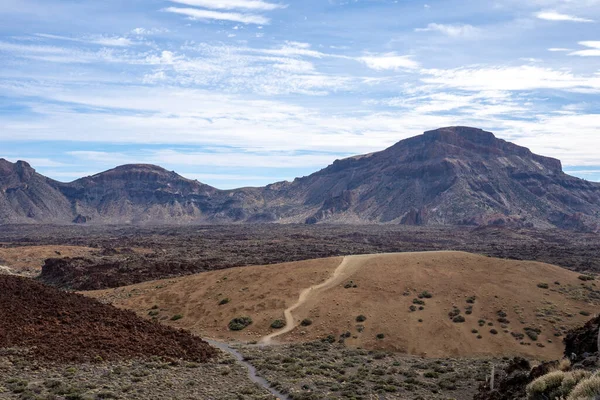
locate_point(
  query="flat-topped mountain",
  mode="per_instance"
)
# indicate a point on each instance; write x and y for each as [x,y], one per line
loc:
[448,176]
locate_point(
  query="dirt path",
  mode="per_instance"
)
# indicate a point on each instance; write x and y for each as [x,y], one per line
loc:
[347,268]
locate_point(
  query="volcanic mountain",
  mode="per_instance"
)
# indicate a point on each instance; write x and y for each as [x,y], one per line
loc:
[448,176]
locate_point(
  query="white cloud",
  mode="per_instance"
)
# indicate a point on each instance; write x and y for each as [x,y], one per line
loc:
[101,40]
[150,31]
[556,16]
[558,49]
[526,77]
[36,161]
[451,30]
[231,4]
[593,51]
[591,43]
[274,133]
[194,13]
[389,61]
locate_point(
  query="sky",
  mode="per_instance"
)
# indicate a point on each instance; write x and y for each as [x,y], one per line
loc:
[249,92]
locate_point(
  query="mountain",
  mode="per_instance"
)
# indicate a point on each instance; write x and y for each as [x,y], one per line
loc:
[26,196]
[138,193]
[448,176]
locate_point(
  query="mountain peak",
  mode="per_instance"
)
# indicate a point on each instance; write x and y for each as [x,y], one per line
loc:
[474,135]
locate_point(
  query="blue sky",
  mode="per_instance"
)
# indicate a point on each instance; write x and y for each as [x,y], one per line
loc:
[248,92]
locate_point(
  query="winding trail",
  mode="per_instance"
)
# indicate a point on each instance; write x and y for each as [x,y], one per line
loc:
[254,377]
[347,268]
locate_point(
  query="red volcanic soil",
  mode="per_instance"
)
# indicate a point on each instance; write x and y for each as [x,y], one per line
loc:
[67,327]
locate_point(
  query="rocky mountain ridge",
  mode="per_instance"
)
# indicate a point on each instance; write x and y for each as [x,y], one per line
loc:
[448,176]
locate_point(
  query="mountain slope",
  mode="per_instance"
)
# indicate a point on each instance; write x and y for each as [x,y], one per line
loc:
[139,193]
[26,196]
[449,176]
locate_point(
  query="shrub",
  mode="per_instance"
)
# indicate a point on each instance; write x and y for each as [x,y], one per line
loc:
[532,333]
[543,285]
[577,385]
[361,318]
[585,313]
[277,324]
[417,301]
[329,339]
[153,313]
[471,300]
[306,322]
[587,389]
[380,336]
[412,308]
[224,301]
[154,307]
[474,331]
[176,317]
[454,313]
[425,294]
[239,323]
[458,319]
[586,278]
[493,331]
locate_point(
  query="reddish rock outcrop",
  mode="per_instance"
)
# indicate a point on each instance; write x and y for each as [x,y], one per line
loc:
[57,326]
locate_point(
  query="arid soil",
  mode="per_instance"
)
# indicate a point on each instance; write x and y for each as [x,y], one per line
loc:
[185,250]
[44,324]
[28,260]
[434,304]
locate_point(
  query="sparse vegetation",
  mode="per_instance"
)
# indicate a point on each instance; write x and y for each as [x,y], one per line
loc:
[176,317]
[543,285]
[224,301]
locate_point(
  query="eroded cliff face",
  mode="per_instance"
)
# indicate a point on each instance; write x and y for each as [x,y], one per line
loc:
[448,176]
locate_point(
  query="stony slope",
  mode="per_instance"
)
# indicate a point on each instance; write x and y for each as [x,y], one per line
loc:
[66,327]
[449,176]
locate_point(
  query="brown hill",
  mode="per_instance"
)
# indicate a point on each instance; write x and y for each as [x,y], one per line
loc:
[66,327]
[505,302]
[449,176]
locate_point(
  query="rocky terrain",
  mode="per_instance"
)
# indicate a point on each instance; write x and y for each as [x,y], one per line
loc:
[450,176]
[111,256]
[581,361]
[47,324]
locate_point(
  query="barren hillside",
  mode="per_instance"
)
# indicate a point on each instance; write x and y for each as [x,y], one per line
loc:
[508,307]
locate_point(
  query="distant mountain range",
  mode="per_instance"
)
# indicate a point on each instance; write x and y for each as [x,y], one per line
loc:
[448,176]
